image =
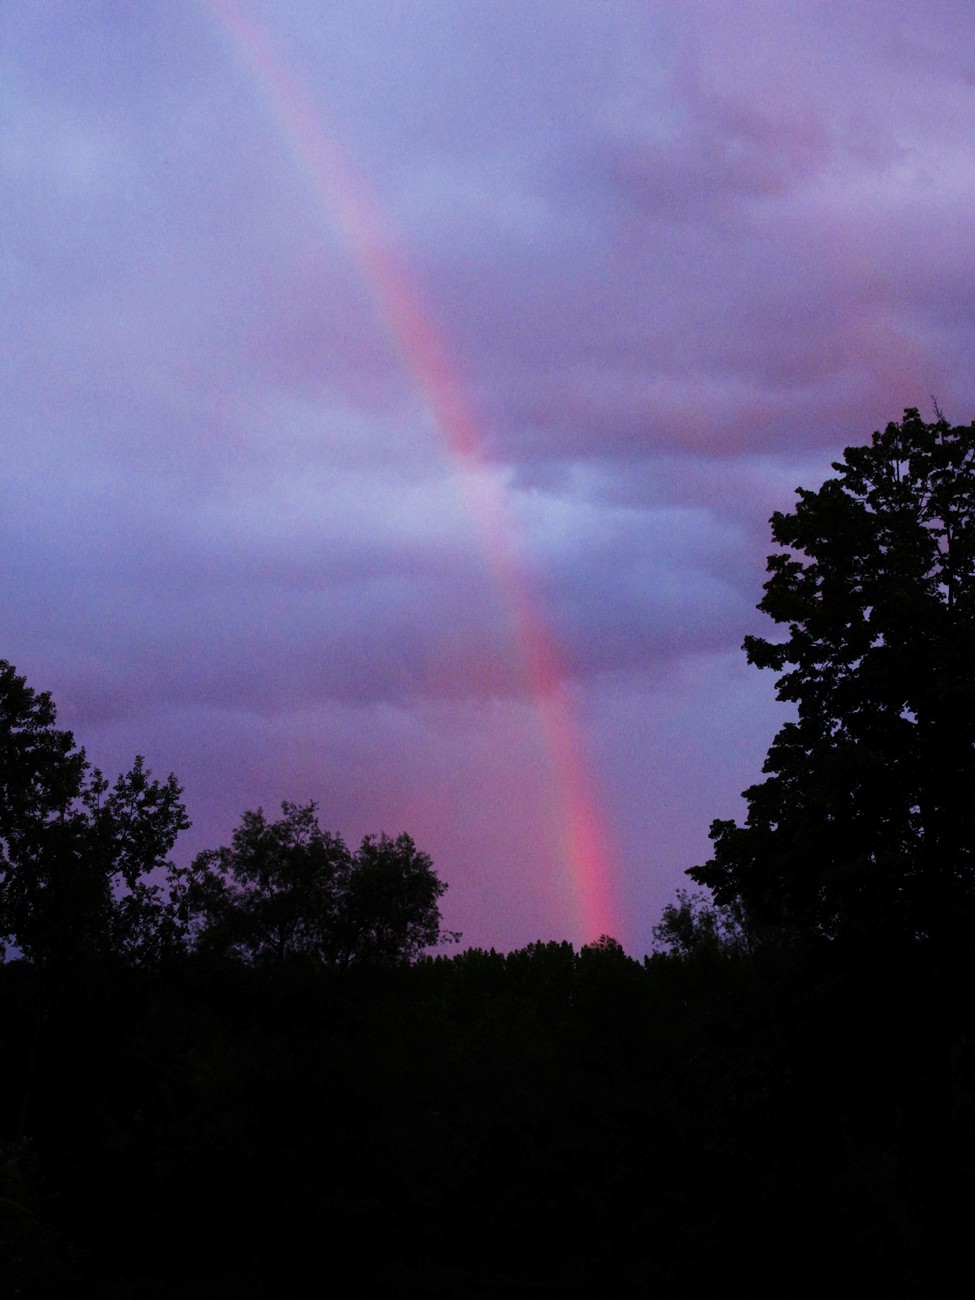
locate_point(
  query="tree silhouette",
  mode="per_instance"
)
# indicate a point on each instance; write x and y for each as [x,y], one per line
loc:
[77,856]
[390,911]
[693,925]
[289,888]
[865,824]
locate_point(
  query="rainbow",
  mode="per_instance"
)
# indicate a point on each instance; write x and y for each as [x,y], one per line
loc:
[351,207]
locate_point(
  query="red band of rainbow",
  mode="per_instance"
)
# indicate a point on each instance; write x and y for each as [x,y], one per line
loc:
[349,205]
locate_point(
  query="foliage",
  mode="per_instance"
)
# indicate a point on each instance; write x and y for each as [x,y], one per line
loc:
[692,925]
[390,911]
[31,1257]
[77,856]
[865,825]
[289,888]
[272,892]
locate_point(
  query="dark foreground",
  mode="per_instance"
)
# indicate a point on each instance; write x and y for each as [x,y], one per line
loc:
[547,1123]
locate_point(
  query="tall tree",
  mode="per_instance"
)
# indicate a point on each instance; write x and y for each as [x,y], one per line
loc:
[865,823]
[390,911]
[270,894]
[77,857]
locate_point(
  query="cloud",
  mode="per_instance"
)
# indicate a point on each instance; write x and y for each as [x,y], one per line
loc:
[678,257]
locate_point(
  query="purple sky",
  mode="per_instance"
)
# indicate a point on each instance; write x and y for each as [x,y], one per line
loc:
[682,254]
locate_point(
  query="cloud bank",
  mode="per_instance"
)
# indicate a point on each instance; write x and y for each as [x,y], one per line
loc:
[679,256]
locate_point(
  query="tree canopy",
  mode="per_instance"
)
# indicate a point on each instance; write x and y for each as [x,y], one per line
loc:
[78,857]
[85,872]
[288,888]
[865,826]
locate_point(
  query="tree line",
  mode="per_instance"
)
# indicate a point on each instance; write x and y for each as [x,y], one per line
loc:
[85,872]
